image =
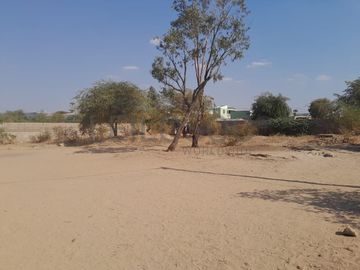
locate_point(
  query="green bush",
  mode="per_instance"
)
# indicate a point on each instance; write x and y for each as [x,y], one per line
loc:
[284,126]
[349,120]
[322,126]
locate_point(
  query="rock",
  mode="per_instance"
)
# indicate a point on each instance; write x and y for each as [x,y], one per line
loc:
[348,231]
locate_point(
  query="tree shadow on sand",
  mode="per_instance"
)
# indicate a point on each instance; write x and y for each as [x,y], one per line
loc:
[345,147]
[107,150]
[342,206]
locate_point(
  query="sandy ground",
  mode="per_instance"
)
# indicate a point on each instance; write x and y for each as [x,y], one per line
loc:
[266,204]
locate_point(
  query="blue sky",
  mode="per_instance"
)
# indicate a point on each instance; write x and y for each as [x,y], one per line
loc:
[49,50]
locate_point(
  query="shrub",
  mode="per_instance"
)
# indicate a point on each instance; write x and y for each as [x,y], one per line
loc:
[44,136]
[285,126]
[320,126]
[6,138]
[66,135]
[349,120]
[321,108]
[71,136]
[101,132]
[238,132]
[209,125]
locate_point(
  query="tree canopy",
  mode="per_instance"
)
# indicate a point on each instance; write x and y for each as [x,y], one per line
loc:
[321,108]
[269,106]
[351,94]
[108,102]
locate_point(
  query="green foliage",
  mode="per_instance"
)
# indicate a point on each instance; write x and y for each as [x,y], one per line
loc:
[157,114]
[204,35]
[348,119]
[351,96]
[268,106]
[13,116]
[19,116]
[284,126]
[322,108]
[109,102]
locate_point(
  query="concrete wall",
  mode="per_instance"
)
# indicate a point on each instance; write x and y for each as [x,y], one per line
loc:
[24,131]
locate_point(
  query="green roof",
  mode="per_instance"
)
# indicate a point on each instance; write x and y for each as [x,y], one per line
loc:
[240,115]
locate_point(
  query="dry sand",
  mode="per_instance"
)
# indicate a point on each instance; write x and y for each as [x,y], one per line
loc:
[267,204]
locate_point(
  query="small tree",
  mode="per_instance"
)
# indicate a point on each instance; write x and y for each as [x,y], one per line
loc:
[203,37]
[108,102]
[156,113]
[321,108]
[268,106]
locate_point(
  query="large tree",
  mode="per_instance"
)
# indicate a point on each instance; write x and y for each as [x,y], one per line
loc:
[108,102]
[205,35]
[269,106]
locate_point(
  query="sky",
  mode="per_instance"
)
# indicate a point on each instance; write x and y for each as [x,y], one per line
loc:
[50,50]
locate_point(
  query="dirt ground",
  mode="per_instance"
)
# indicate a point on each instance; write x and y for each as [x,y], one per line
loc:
[266,203]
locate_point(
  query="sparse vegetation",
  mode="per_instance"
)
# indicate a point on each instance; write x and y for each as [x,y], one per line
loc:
[237,133]
[44,136]
[6,138]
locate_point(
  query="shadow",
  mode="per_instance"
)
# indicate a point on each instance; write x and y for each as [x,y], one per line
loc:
[342,206]
[346,147]
[106,150]
[263,178]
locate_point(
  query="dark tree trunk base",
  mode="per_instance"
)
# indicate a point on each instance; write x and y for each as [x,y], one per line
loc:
[195,141]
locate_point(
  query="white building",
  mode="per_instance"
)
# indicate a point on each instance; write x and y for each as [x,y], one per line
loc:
[224,111]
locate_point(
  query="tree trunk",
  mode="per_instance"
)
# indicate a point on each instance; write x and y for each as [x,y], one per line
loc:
[178,134]
[186,119]
[196,132]
[114,127]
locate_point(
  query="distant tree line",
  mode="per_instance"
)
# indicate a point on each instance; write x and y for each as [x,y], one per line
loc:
[19,116]
[339,115]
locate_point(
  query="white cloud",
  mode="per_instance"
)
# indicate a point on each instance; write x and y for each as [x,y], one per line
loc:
[155,41]
[131,68]
[297,77]
[323,77]
[232,80]
[259,64]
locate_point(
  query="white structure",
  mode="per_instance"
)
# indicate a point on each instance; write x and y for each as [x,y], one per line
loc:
[224,111]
